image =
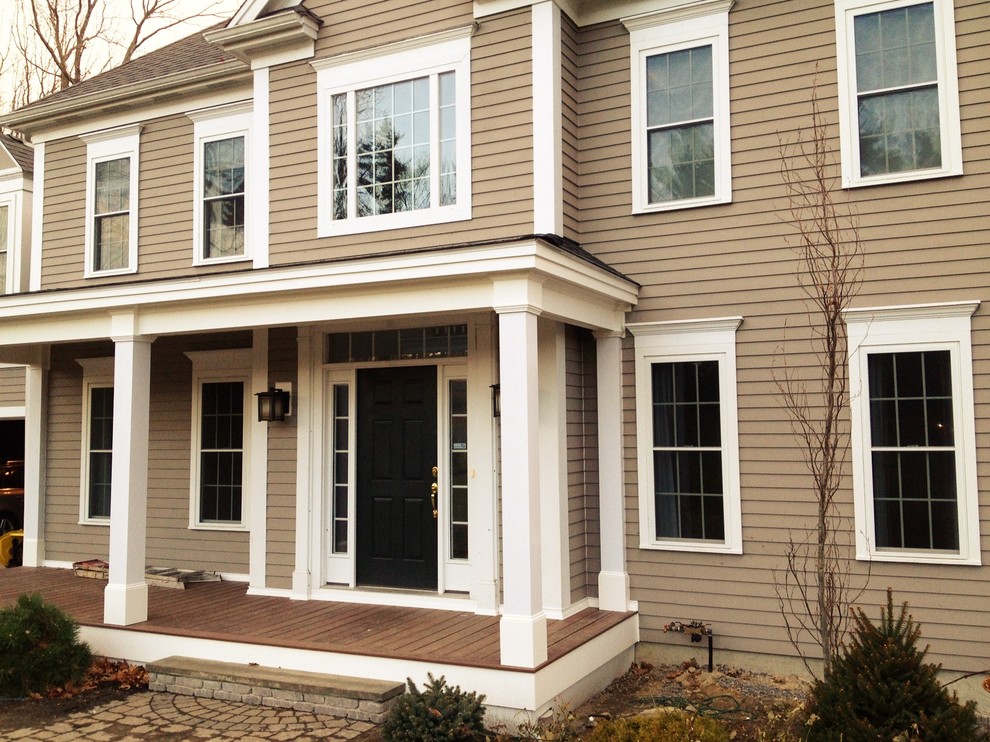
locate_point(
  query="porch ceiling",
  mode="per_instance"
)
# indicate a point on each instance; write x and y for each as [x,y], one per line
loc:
[529,273]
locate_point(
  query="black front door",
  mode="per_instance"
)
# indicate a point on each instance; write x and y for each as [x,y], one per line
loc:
[396,453]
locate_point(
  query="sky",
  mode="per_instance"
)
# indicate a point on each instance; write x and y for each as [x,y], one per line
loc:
[119,9]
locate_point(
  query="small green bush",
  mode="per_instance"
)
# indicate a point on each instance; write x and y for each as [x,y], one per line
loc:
[881,687]
[439,712]
[670,726]
[39,648]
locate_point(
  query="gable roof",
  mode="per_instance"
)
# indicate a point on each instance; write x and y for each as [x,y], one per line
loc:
[20,153]
[170,70]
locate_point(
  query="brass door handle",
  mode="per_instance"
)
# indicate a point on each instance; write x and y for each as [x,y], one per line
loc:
[433,499]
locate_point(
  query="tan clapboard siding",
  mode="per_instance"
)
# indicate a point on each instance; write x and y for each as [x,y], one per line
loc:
[64,212]
[582,462]
[925,242]
[65,539]
[165,226]
[12,387]
[282,352]
[569,125]
[502,166]
[349,25]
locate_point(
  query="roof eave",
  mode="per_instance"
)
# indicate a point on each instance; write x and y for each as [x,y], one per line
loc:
[289,31]
[46,116]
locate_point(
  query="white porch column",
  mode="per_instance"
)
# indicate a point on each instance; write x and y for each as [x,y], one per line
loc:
[523,627]
[304,482]
[613,580]
[125,599]
[35,454]
[554,537]
[258,466]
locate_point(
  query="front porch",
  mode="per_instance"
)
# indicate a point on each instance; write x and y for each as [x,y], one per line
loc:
[220,621]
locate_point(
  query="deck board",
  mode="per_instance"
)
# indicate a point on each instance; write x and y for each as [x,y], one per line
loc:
[223,611]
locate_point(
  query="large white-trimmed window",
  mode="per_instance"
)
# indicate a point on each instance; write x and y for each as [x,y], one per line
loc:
[898,90]
[680,107]
[913,433]
[112,201]
[221,220]
[687,435]
[221,450]
[97,440]
[395,135]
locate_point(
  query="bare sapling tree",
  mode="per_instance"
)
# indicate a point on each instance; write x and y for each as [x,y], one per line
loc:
[58,43]
[815,589]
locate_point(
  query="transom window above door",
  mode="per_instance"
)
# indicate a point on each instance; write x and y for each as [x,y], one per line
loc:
[448,341]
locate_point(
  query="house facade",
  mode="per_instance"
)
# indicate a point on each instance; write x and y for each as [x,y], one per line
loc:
[526,272]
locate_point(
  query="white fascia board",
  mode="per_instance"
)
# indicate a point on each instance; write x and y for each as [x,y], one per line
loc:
[237,300]
[127,104]
[276,39]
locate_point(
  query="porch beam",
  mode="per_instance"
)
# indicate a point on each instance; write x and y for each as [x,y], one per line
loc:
[125,599]
[523,626]
[35,455]
[613,580]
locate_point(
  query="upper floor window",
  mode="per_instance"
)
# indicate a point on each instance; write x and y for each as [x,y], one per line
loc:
[898,93]
[221,231]
[687,433]
[394,135]
[111,201]
[914,469]
[680,108]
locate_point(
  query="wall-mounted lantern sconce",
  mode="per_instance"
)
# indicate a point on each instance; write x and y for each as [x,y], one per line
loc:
[273,405]
[496,400]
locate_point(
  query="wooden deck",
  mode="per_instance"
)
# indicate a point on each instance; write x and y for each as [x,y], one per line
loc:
[223,611]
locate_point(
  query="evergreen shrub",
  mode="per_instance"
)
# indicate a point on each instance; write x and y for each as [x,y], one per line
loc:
[438,712]
[39,648]
[881,688]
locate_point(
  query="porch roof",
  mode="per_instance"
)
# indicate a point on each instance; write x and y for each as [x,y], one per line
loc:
[535,273]
[223,611]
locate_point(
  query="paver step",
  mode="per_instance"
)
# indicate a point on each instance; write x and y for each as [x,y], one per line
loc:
[337,695]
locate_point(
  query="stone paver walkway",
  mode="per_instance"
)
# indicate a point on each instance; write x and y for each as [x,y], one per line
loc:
[163,717]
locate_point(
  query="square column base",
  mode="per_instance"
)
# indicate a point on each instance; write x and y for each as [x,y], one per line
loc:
[124,605]
[523,640]
[613,591]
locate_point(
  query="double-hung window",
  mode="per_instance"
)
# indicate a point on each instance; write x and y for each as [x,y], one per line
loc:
[898,92]
[680,108]
[97,439]
[112,201]
[221,439]
[222,218]
[687,434]
[5,243]
[394,135]
[913,438]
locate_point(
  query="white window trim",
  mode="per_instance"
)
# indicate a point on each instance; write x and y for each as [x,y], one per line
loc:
[427,55]
[456,573]
[673,342]
[113,144]
[97,374]
[220,366]
[948,92]
[340,567]
[224,122]
[706,23]
[943,326]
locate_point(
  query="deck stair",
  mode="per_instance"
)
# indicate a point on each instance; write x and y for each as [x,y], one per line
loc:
[337,695]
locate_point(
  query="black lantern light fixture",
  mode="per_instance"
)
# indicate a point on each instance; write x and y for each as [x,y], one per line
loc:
[273,405]
[496,400]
